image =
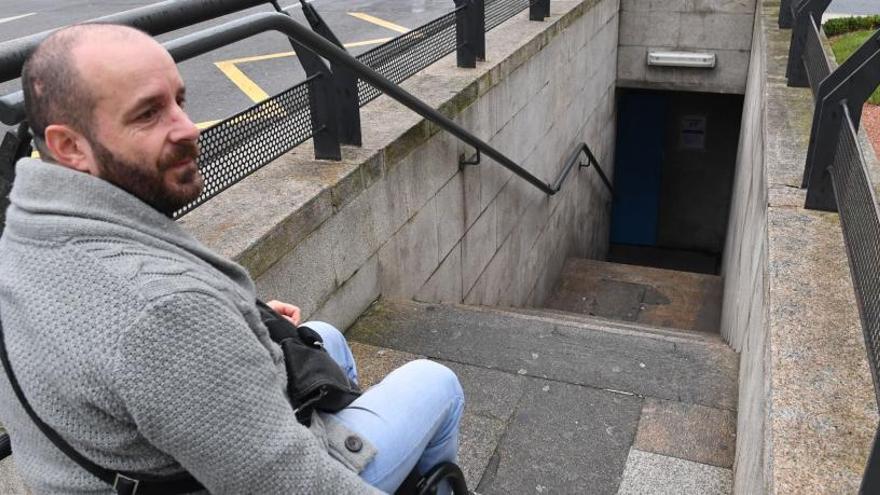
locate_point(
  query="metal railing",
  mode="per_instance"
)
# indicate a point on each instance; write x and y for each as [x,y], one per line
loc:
[835,172]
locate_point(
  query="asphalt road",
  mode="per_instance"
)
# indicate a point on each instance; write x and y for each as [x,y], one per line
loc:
[214,89]
[221,83]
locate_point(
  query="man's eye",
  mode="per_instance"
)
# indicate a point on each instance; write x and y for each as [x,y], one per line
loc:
[147,114]
[181,102]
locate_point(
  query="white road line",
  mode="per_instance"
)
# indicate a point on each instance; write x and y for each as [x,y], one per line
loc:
[15,18]
[296,5]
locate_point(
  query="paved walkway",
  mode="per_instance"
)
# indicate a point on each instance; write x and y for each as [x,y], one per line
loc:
[571,404]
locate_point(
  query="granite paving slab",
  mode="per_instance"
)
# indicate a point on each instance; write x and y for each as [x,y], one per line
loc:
[656,474]
[478,439]
[373,362]
[564,439]
[490,399]
[683,370]
[687,431]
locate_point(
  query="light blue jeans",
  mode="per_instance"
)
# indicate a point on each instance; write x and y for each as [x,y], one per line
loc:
[411,416]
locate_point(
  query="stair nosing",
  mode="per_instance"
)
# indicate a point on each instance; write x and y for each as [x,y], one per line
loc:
[596,323]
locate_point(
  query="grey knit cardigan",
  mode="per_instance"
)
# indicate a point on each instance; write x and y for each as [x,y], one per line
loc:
[145,351]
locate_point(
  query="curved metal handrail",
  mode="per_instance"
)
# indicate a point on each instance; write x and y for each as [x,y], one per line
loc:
[156,19]
[574,158]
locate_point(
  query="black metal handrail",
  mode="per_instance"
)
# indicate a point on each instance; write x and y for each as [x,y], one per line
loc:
[835,172]
[807,15]
[582,149]
[848,87]
[156,19]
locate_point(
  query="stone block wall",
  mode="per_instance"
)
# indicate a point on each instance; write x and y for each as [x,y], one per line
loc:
[398,218]
[722,27]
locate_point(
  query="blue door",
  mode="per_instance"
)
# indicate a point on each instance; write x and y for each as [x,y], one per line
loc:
[639,157]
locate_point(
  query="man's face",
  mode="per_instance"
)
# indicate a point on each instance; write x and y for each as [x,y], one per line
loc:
[141,138]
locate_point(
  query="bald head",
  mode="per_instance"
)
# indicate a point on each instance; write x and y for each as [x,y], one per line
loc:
[57,76]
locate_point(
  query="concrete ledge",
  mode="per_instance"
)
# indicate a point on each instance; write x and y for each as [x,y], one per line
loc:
[807,406]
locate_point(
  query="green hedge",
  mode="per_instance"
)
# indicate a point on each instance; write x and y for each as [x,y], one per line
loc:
[835,27]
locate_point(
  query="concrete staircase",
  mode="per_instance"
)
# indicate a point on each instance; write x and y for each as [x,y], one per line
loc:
[620,385]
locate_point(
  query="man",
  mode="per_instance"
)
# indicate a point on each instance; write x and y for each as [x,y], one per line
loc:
[144,350]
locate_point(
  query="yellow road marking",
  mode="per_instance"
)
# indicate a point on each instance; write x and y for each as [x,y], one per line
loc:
[379,22]
[252,89]
[376,41]
[258,58]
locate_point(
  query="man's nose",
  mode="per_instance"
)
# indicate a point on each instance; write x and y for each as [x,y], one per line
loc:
[184,128]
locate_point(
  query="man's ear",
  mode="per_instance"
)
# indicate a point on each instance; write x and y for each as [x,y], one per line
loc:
[69,148]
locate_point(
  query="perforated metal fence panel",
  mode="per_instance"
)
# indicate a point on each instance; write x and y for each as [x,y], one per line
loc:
[411,52]
[235,148]
[498,11]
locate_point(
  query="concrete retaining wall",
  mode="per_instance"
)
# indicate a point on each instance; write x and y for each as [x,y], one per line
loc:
[399,218]
[807,412]
[744,317]
[722,27]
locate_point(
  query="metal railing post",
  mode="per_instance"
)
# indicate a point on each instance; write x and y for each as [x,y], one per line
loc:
[807,11]
[345,82]
[539,10]
[871,480]
[325,107]
[470,32]
[322,103]
[840,96]
[786,19]
[478,26]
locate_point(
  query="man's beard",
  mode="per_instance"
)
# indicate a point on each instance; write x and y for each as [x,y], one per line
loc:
[147,181]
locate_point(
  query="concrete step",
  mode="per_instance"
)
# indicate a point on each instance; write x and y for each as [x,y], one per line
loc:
[607,324]
[558,406]
[652,296]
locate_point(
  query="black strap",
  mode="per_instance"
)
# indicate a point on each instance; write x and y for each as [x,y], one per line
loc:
[125,483]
